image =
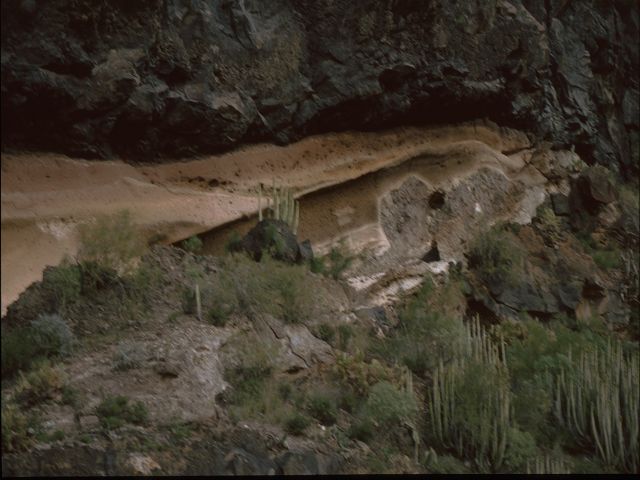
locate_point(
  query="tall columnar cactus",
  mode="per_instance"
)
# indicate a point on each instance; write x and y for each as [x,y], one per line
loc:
[475,427]
[283,207]
[597,399]
[548,465]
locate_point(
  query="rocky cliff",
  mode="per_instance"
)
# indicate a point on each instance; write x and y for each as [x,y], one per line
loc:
[176,78]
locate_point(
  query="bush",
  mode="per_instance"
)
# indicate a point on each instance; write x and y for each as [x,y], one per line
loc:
[52,335]
[112,242]
[64,282]
[47,336]
[388,406]
[496,256]
[323,408]
[272,287]
[326,333]
[43,383]
[18,350]
[15,428]
[607,259]
[254,367]
[521,450]
[423,336]
[192,244]
[128,355]
[362,429]
[297,424]
[115,412]
[339,261]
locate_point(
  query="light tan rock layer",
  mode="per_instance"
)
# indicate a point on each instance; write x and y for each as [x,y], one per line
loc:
[44,196]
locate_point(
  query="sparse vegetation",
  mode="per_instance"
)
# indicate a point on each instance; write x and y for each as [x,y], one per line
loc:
[496,255]
[44,382]
[296,424]
[192,244]
[48,336]
[424,336]
[15,428]
[110,243]
[116,411]
[128,355]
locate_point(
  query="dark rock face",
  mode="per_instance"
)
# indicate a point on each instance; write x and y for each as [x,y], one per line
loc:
[147,80]
[275,237]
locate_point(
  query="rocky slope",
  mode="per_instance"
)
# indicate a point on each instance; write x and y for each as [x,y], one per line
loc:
[173,78]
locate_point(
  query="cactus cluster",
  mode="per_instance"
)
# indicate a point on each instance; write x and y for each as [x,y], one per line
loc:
[476,427]
[280,206]
[598,399]
[548,465]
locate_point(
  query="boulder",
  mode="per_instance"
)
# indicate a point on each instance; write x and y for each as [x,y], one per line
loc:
[276,238]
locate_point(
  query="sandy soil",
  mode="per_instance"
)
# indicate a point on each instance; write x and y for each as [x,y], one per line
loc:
[45,196]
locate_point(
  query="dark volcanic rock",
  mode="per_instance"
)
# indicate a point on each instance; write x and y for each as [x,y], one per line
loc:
[147,80]
[275,237]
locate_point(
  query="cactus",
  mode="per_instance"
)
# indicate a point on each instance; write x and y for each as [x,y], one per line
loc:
[598,400]
[198,303]
[283,207]
[548,465]
[260,204]
[476,428]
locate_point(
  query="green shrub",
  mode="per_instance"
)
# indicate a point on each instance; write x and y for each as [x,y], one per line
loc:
[15,428]
[112,242]
[521,450]
[64,282]
[322,407]
[44,382]
[388,406]
[192,244]
[128,355]
[47,336]
[233,242]
[362,429]
[338,262]
[423,336]
[345,334]
[296,424]
[446,464]
[607,259]
[496,256]
[117,411]
[316,265]
[254,368]
[18,350]
[326,333]
[52,335]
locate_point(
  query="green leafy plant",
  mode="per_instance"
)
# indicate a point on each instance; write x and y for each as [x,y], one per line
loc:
[322,407]
[116,411]
[128,355]
[496,255]
[64,282]
[46,336]
[15,428]
[192,244]
[112,242]
[296,424]
[45,382]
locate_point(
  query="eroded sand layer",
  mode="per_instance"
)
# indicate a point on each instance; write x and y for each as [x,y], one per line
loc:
[44,197]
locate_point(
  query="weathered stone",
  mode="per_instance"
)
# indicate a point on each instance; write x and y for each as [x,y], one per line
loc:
[560,204]
[68,72]
[274,237]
